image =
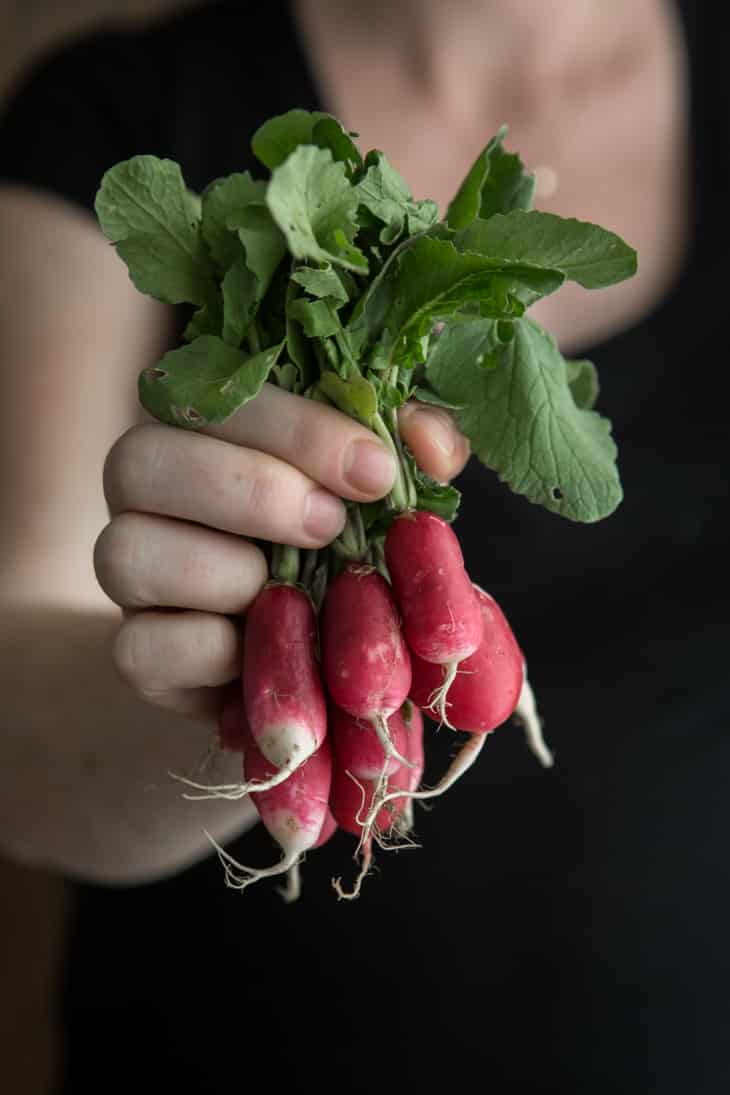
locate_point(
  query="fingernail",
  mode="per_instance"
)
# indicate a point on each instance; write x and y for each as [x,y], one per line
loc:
[369,467]
[437,426]
[324,515]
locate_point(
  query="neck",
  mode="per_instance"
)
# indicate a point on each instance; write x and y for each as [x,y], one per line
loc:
[454,53]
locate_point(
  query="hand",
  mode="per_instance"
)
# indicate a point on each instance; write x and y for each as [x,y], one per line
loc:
[174,556]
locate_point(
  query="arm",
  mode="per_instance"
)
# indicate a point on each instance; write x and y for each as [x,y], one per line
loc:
[99,705]
[84,756]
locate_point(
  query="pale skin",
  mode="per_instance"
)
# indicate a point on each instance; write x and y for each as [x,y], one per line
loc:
[125,561]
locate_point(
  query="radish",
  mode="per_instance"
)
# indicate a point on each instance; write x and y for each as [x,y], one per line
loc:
[282,689]
[441,616]
[359,746]
[352,797]
[487,685]
[294,812]
[365,660]
[284,706]
[328,830]
[232,724]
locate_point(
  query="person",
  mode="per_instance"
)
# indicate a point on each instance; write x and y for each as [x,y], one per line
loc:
[559,930]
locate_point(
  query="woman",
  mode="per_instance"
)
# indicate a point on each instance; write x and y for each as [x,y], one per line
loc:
[545,936]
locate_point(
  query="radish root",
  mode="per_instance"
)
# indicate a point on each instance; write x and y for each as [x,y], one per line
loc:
[235,791]
[365,865]
[527,715]
[463,760]
[437,700]
[239,877]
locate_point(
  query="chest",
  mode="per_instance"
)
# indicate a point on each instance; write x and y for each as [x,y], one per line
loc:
[608,144]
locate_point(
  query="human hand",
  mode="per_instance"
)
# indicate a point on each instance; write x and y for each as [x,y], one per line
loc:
[177,555]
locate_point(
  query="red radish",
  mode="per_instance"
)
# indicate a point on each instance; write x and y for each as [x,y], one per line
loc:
[441,616]
[487,685]
[414,721]
[282,689]
[232,725]
[294,812]
[353,799]
[329,828]
[364,655]
[358,746]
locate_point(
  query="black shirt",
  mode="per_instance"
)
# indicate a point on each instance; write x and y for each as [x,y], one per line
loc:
[561,931]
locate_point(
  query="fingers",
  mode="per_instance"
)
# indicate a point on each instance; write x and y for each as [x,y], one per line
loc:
[163,655]
[434,439]
[194,477]
[143,561]
[323,443]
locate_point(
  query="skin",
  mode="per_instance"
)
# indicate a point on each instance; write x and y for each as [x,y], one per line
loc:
[125,548]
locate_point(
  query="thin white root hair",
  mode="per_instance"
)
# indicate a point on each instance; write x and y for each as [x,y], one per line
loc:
[365,865]
[235,791]
[239,877]
[380,726]
[461,763]
[527,715]
[437,700]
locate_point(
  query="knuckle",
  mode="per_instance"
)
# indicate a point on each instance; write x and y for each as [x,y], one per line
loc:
[128,464]
[263,497]
[132,654]
[115,559]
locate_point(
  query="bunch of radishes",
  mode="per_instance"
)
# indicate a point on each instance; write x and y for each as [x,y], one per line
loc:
[329,723]
[330,280]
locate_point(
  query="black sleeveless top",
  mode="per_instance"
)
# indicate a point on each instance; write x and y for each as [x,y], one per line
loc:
[559,931]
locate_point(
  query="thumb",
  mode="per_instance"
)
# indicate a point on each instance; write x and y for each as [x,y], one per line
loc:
[434,439]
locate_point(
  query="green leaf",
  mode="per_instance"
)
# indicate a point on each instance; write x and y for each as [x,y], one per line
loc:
[582,252]
[523,422]
[355,395]
[146,210]
[204,382]
[315,206]
[240,297]
[425,395]
[277,138]
[317,318]
[321,283]
[439,498]
[328,133]
[583,381]
[432,280]
[422,215]
[207,320]
[496,183]
[221,200]
[262,241]
[386,195]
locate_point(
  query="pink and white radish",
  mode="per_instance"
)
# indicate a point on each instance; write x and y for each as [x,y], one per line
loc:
[282,689]
[487,690]
[487,685]
[284,706]
[357,744]
[441,617]
[365,660]
[294,812]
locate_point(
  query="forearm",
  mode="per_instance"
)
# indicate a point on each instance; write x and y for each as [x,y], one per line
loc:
[86,789]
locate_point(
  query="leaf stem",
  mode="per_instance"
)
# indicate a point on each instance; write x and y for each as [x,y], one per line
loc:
[285,564]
